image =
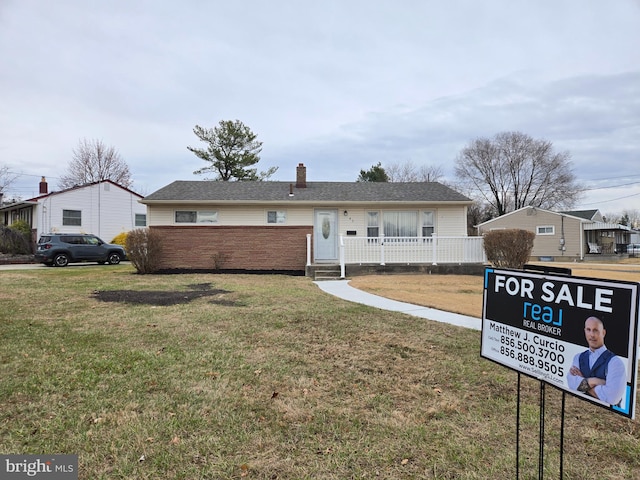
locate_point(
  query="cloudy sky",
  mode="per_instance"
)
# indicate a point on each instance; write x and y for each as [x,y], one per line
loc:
[338,85]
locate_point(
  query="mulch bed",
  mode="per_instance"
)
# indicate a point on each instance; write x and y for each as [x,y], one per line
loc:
[10,259]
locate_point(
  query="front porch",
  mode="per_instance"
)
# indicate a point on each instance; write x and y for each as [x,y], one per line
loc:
[606,238]
[361,255]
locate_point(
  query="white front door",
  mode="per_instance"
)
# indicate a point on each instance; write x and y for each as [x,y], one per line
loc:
[325,233]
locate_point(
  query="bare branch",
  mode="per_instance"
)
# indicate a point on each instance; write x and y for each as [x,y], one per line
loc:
[93,161]
[513,170]
[6,178]
[409,172]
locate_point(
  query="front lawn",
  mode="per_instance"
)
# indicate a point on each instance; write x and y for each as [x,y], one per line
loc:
[267,377]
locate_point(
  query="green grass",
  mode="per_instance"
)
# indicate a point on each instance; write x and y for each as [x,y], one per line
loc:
[270,379]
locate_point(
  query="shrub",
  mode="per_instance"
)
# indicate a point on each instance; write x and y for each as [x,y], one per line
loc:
[16,239]
[23,227]
[120,239]
[509,248]
[143,249]
[219,259]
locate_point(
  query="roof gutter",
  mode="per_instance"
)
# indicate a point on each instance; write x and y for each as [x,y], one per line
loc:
[12,206]
[303,202]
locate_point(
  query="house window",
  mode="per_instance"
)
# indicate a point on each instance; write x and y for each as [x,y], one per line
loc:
[276,216]
[207,216]
[400,224]
[373,229]
[196,216]
[186,216]
[141,220]
[72,217]
[428,225]
[545,230]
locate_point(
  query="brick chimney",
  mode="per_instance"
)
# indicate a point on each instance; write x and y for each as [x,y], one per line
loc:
[44,187]
[301,176]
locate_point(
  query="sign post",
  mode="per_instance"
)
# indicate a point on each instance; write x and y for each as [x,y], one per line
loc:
[576,334]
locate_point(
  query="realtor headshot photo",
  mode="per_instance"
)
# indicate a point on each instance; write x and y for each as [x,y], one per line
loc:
[597,371]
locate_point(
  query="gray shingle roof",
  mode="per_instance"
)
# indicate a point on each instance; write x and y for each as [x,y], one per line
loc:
[212,191]
[586,214]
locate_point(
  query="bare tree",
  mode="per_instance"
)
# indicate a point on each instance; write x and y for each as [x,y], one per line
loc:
[477,213]
[409,172]
[513,170]
[430,173]
[6,179]
[629,217]
[93,161]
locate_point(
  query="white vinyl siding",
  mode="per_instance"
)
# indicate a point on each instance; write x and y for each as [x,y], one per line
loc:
[107,210]
[231,215]
[449,220]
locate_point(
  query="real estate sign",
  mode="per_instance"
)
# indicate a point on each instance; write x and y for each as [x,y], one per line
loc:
[577,334]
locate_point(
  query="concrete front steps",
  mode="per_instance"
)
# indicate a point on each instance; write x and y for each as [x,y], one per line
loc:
[324,272]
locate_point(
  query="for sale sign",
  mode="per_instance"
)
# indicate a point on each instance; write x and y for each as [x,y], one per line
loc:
[577,334]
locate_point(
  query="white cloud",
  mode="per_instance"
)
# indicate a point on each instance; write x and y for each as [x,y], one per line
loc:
[338,85]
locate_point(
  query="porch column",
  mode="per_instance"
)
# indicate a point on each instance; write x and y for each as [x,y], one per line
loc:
[434,249]
[308,249]
[341,247]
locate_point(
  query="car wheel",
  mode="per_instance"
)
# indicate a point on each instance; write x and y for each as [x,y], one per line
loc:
[61,260]
[113,259]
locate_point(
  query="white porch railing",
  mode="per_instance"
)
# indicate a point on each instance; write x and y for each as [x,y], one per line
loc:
[407,250]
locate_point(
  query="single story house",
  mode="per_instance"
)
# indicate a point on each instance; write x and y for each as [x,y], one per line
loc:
[102,208]
[285,226]
[570,235]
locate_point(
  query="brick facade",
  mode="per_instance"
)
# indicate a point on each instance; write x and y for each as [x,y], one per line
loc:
[234,247]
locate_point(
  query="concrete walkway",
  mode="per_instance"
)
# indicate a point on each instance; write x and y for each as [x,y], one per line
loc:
[342,289]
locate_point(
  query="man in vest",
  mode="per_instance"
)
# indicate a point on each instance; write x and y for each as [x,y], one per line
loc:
[597,371]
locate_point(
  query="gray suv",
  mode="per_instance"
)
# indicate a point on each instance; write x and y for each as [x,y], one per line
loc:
[59,249]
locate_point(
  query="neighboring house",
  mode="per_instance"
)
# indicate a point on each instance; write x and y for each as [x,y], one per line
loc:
[102,208]
[285,226]
[567,235]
